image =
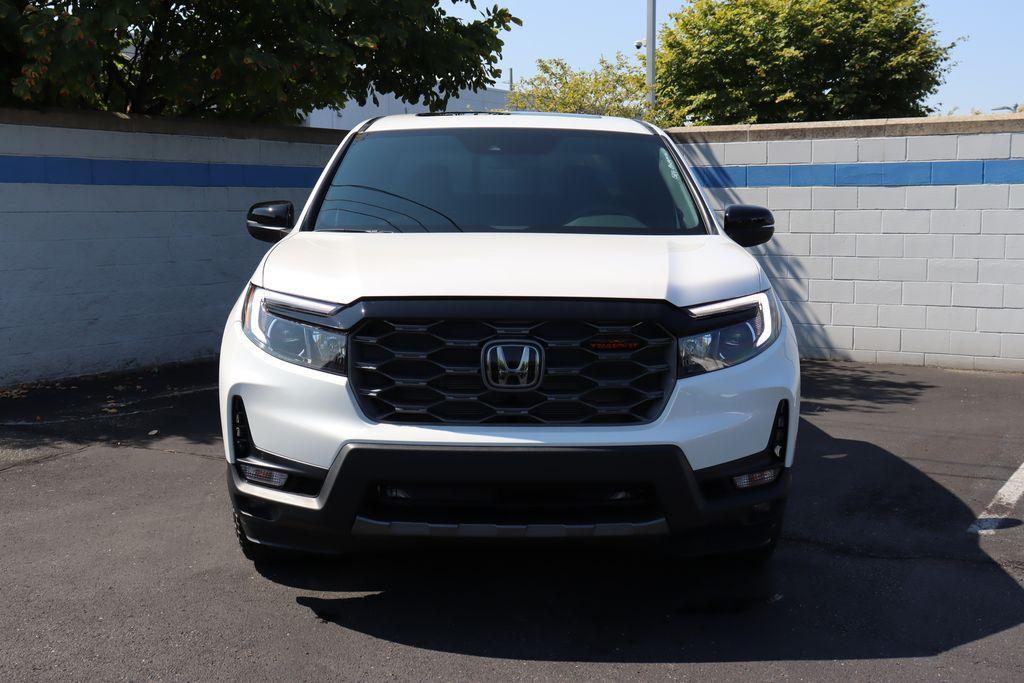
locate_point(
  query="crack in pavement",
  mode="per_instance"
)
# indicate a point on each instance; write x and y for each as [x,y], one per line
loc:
[172,451]
[63,454]
[44,458]
[81,418]
[175,393]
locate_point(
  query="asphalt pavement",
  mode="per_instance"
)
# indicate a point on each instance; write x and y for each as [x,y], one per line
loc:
[117,558]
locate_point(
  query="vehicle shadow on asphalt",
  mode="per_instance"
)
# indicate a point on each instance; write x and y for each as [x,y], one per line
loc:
[875,563]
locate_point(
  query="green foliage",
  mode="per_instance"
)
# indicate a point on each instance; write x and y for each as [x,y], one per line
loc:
[768,61]
[258,60]
[614,88]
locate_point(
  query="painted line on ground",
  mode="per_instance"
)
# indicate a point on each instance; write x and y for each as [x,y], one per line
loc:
[998,511]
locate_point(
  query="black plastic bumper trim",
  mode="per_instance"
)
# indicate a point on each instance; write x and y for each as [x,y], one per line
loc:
[687,511]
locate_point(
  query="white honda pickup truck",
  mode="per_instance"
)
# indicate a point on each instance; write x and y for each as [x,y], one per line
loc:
[517,327]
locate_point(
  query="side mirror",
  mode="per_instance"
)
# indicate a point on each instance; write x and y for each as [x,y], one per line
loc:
[749,225]
[270,221]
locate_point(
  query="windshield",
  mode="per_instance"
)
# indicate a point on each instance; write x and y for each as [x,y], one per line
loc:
[509,180]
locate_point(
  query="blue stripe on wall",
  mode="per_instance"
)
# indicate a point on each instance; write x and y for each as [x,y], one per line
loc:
[893,173]
[75,171]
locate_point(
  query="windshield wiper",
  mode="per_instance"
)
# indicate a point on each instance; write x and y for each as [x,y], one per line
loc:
[353,230]
[405,199]
[394,228]
[388,209]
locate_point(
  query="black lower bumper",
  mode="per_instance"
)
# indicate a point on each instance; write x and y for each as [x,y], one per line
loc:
[662,498]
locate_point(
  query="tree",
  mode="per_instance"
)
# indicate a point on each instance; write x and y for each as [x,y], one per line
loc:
[614,88]
[258,60]
[767,61]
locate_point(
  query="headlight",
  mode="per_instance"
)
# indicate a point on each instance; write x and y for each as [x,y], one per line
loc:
[267,323]
[733,343]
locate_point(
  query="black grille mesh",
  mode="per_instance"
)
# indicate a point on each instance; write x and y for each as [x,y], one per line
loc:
[429,371]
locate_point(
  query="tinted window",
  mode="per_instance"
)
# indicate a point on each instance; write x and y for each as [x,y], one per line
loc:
[509,180]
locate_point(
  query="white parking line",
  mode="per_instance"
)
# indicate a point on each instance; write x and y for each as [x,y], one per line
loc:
[1001,506]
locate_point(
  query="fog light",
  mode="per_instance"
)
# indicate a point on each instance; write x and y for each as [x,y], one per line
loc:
[264,476]
[746,481]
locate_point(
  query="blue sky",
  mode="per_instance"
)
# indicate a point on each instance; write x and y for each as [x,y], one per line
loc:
[989,70]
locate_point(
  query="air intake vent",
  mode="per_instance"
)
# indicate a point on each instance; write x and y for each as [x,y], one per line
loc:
[780,431]
[239,429]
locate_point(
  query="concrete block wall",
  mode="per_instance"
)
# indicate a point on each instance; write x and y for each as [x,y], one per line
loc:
[123,241]
[897,241]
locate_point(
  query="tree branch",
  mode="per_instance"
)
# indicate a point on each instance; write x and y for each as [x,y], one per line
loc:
[151,49]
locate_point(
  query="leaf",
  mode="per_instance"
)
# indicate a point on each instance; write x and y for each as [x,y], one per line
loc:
[264,59]
[364,41]
[732,61]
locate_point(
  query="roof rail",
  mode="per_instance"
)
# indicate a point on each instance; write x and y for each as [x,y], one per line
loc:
[458,113]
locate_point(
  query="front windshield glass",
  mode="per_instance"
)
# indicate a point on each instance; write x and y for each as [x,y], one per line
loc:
[509,180]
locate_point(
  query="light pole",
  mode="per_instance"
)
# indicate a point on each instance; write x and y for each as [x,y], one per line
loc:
[650,52]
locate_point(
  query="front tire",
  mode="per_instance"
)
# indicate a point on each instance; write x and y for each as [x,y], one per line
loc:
[753,557]
[758,558]
[761,557]
[254,552]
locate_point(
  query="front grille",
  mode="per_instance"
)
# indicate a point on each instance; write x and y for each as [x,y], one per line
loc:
[429,371]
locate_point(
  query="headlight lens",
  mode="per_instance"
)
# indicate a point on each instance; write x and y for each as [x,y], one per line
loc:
[732,344]
[297,342]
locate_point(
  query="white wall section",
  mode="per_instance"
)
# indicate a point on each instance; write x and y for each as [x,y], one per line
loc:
[891,248]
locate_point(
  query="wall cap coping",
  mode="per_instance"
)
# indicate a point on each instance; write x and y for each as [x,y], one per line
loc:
[864,128]
[135,123]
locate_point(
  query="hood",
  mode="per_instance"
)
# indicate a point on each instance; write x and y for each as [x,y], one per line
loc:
[343,267]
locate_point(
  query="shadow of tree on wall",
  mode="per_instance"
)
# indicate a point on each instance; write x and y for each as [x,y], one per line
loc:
[790,278]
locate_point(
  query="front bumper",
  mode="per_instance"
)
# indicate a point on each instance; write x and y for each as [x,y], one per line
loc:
[690,507]
[711,424]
